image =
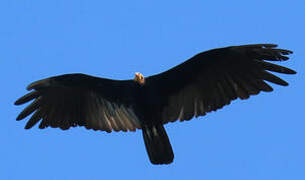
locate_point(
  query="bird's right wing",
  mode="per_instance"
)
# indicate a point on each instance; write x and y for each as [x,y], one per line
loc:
[214,78]
[80,100]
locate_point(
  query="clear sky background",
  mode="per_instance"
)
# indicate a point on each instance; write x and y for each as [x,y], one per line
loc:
[260,138]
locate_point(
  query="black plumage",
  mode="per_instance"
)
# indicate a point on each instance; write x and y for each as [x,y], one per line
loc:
[202,84]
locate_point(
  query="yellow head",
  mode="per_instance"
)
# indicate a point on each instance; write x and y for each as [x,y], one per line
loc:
[139,78]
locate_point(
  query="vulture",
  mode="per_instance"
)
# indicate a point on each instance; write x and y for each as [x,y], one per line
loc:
[204,83]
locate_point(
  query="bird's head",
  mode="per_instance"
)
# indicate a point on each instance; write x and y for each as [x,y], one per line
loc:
[139,78]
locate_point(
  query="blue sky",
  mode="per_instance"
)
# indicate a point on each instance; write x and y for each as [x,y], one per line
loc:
[261,138]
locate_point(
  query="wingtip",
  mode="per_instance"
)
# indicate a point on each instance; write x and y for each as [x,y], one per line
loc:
[37,84]
[285,84]
[18,102]
[291,71]
[32,85]
[286,52]
[19,117]
[28,126]
[26,98]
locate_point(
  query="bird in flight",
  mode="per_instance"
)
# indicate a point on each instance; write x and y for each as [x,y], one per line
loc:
[204,83]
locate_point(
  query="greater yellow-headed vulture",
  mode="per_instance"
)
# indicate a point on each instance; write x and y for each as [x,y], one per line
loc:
[204,83]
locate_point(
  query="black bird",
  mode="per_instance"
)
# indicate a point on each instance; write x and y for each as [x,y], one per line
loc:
[204,83]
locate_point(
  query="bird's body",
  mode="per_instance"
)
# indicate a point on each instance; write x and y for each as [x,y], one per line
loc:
[205,83]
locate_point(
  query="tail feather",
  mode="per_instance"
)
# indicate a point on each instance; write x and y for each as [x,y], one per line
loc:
[157,145]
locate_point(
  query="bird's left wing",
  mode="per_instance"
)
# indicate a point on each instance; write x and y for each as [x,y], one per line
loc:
[80,100]
[214,78]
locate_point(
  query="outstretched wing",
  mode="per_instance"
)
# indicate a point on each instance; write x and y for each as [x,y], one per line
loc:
[214,78]
[80,100]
